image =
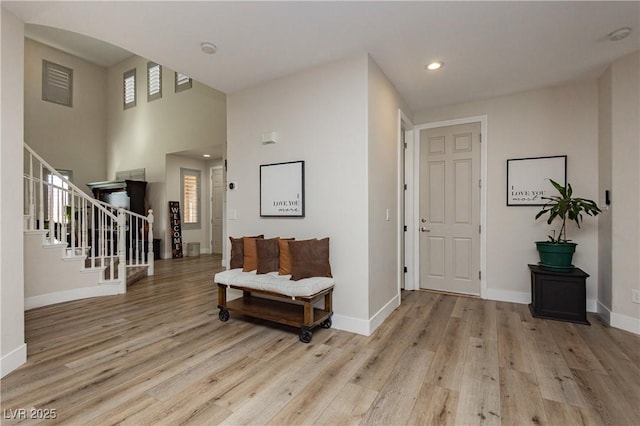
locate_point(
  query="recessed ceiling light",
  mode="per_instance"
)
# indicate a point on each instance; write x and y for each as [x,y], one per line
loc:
[206,155]
[208,48]
[619,34]
[435,65]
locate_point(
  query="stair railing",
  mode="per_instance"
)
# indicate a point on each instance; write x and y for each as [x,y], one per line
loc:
[108,237]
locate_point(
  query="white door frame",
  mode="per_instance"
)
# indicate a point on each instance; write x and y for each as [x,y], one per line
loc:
[211,169]
[412,261]
[405,175]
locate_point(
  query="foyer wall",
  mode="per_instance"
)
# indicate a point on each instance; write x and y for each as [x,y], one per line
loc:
[13,349]
[383,165]
[625,175]
[320,116]
[67,138]
[550,121]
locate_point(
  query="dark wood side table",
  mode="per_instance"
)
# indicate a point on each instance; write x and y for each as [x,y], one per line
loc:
[559,295]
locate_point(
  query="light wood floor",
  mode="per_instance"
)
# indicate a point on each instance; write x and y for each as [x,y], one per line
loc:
[159,355]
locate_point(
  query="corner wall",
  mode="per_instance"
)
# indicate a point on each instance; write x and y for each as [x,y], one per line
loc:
[625,204]
[605,289]
[383,186]
[13,349]
[550,121]
[320,116]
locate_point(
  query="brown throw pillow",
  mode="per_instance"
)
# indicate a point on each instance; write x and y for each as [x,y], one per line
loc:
[310,258]
[268,255]
[285,256]
[250,253]
[237,252]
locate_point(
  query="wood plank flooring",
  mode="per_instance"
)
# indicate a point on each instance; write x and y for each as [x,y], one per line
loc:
[160,355]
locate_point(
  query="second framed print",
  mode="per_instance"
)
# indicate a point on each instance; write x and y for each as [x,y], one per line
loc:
[528,179]
[282,189]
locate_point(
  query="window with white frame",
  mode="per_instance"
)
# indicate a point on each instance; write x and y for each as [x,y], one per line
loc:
[183,82]
[190,184]
[154,81]
[129,89]
[58,196]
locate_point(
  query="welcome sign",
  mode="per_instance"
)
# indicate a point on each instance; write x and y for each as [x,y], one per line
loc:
[176,229]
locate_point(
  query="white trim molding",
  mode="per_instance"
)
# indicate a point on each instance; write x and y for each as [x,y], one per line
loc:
[365,327]
[69,295]
[625,322]
[13,360]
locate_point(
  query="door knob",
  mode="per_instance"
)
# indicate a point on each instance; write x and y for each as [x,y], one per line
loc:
[423,229]
[423,220]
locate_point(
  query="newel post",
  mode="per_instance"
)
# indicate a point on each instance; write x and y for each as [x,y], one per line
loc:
[122,251]
[150,255]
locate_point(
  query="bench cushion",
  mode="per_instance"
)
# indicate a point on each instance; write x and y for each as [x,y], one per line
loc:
[273,282]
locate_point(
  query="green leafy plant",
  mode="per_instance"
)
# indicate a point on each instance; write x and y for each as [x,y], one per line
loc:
[565,206]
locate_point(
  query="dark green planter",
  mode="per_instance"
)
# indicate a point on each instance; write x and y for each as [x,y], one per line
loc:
[556,256]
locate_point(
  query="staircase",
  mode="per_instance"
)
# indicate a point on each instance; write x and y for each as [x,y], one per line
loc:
[74,245]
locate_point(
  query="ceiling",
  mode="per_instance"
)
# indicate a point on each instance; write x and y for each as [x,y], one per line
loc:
[489,48]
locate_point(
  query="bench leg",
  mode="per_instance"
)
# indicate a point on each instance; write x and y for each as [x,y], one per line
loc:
[222,295]
[328,302]
[308,313]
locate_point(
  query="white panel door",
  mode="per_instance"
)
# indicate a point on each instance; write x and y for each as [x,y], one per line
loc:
[450,208]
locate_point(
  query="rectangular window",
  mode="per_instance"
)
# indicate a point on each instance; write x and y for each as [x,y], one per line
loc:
[129,89]
[57,84]
[183,82]
[190,198]
[154,81]
[58,196]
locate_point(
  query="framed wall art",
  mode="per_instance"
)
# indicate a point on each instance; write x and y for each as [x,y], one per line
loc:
[528,179]
[282,189]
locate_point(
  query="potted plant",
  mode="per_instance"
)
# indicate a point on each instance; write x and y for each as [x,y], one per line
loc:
[557,253]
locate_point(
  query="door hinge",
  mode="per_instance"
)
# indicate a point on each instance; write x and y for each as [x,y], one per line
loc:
[479,183]
[479,229]
[405,145]
[405,186]
[405,228]
[479,275]
[480,136]
[406,269]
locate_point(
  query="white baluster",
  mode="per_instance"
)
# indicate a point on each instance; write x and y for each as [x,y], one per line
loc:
[32,201]
[41,201]
[122,271]
[150,255]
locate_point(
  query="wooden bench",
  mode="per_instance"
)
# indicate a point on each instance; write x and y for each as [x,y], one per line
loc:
[290,303]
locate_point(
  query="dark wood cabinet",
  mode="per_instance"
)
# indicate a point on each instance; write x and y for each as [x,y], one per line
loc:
[559,295]
[128,194]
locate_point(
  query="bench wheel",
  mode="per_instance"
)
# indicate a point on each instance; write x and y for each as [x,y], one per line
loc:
[326,323]
[223,315]
[305,335]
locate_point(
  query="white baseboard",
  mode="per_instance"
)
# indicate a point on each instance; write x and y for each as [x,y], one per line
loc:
[13,360]
[69,295]
[524,297]
[508,296]
[350,324]
[604,312]
[625,322]
[365,327]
